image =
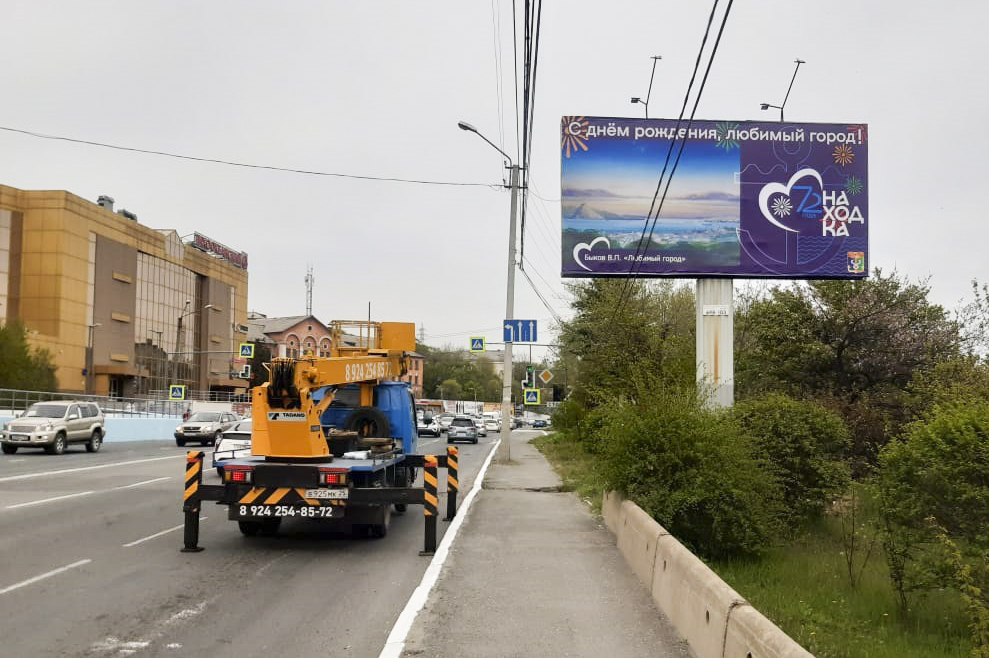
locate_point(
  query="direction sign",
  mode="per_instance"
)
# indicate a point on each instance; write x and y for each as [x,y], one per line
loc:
[520,331]
[176,392]
[531,395]
[477,343]
[247,350]
[545,376]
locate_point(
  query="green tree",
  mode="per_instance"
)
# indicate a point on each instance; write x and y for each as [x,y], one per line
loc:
[22,367]
[852,345]
[938,473]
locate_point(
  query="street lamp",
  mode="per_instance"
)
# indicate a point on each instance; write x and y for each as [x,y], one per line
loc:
[506,382]
[89,357]
[636,99]
[179,335]
[766,106]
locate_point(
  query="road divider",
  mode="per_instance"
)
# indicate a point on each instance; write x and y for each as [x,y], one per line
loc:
[712,617]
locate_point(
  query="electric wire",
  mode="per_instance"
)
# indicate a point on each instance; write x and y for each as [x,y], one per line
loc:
[642,246]
[247,165]
[556,316]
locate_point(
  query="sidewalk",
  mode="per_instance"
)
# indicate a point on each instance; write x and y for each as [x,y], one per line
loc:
[532,573]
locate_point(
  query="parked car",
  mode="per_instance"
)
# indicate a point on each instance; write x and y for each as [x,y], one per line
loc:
[539,423]
[462,428]
[234,444]
[206,427]
[53,426]
[428,425]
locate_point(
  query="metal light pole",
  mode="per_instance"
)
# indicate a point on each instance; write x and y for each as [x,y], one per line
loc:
[766,106]
[506,383]
[636,99]
[89,357]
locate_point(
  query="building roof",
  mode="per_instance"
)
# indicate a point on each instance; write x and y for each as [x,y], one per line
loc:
[278,325]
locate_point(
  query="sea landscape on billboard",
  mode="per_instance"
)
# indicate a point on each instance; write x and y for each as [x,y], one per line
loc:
[699,217]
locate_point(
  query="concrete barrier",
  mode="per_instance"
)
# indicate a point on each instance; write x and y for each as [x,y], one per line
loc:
[637,538]
[751,635]
[611,509]
[134,429]
[712,617]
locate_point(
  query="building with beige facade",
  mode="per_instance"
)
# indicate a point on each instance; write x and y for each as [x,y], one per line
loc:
[124,309]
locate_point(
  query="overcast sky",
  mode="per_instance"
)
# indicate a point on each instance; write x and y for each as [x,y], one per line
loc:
[376,89]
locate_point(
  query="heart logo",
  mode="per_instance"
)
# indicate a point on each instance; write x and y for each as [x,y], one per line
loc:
[769,189]
[583,246]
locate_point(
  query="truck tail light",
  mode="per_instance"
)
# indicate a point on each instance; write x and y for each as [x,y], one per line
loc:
[234,474]
[331,477]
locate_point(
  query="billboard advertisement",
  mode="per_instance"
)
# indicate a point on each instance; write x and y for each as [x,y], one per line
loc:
[747,199]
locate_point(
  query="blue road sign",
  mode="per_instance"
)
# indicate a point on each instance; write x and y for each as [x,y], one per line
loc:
[531,396]
[176,392]
[520,331]
[247,350]
[477,343]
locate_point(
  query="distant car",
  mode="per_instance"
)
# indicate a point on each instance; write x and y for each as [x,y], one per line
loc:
[444,420]
[462,428]
[492,424]
[539,423]
[204,427]
[53,426]
[428,425]
[234,444]
[479,424]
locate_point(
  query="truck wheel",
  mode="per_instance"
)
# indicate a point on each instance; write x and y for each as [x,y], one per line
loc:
[94,443]
[9,449]
[368,422]
[379,530]
[58,445]
[249,528]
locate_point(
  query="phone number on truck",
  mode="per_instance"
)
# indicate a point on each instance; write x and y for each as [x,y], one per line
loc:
[307,512]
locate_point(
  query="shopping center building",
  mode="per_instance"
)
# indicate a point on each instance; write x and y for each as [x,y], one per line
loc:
[124,309]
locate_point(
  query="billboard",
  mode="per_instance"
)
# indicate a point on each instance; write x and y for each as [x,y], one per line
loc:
[749,199]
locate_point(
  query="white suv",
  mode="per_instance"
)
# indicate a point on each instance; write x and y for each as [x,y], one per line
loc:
[53,425]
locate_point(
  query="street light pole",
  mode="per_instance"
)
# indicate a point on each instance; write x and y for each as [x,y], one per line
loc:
[636,99]
[506,383]
[89,358]
[766,106]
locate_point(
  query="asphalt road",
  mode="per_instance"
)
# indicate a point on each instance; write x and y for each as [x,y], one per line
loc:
[90,564]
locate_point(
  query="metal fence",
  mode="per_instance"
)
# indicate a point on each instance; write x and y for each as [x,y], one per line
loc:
[14,401]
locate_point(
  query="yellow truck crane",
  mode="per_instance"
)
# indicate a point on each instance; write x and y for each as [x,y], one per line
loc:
[334,438]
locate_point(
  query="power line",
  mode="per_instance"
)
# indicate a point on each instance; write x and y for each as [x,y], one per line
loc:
[241,164]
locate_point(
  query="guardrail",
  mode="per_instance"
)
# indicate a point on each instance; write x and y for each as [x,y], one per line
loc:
[13,401]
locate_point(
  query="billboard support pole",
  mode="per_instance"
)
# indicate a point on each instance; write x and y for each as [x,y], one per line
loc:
[715,344]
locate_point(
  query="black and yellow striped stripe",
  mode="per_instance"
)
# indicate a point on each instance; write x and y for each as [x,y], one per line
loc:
[283,495]
[193,473]
[429,479]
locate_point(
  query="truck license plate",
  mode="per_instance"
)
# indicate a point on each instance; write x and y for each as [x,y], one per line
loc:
[332,494]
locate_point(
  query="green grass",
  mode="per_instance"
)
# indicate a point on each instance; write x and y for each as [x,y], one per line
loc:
[804,587]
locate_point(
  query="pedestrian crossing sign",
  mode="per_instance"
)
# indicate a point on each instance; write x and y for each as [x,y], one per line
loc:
[477,343]
[247,350]
[176,392]
[532,395]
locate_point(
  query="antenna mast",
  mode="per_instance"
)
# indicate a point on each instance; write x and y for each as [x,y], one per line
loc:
[309,282]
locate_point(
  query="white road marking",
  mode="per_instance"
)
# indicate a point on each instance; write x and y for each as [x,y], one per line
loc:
[48,574]
[49,500]
[85,493]
[129,647]
[395,643]
[143,482]
[11,478]
[158,534]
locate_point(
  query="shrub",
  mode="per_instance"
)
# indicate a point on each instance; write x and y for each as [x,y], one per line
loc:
[692,470]
[804,445]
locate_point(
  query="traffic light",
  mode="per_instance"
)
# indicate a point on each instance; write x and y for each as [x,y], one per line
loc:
[530,377]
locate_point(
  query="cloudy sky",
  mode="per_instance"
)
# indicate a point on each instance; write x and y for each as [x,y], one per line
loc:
[375,89]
